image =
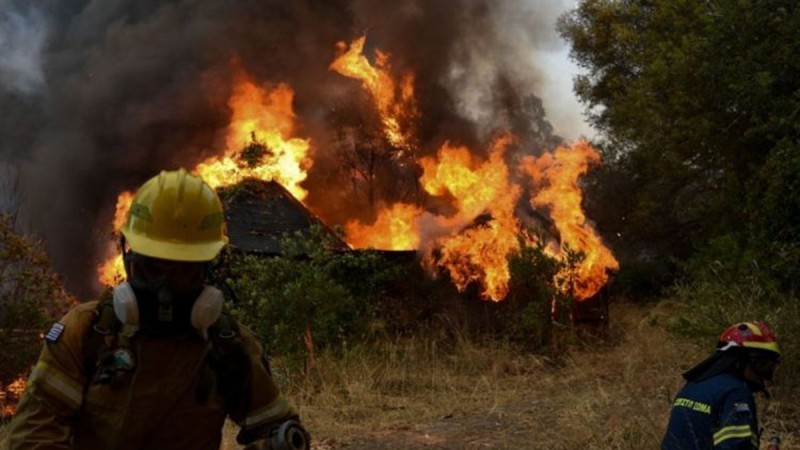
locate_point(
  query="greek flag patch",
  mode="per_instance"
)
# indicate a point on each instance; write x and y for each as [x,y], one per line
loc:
[55,332]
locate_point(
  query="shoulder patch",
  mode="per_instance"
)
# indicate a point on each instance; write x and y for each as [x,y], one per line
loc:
[741,407]
[55,332]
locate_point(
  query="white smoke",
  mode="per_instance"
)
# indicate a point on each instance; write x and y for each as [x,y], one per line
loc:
[519,39]
[22,40]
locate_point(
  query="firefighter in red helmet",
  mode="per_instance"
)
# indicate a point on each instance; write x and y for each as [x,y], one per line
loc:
[715,409]
[159,364]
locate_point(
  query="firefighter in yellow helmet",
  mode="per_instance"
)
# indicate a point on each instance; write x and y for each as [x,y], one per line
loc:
[159,364]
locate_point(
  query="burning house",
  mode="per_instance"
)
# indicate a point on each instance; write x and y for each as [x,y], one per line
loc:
[418,128]
[454,185]
[401,123]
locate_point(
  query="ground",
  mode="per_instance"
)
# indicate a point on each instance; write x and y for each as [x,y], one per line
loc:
[612,392]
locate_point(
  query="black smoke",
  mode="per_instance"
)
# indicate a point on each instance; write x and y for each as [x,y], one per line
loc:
[102,95]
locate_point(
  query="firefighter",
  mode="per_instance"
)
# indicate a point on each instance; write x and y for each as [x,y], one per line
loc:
[715,409]
[159,364]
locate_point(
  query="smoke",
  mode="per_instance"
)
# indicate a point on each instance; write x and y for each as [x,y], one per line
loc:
[22,37]
[126,88]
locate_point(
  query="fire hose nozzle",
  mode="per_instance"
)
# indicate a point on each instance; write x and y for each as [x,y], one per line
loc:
[774,443]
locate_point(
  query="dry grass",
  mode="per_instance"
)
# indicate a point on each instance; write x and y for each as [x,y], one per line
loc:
[611,391]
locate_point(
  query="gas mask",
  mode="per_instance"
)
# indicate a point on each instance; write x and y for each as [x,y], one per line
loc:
[166,296]
[200,314]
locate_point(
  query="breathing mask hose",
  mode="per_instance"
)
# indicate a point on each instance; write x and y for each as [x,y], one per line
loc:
[290,435]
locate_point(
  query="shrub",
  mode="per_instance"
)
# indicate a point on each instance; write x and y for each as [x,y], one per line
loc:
[31,296]
[531,296]
[310,291]
[730,284]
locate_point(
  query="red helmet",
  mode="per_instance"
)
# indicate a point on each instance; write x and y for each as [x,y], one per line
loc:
[753,335]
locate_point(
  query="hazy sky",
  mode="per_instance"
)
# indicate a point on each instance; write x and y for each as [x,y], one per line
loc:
[563,109]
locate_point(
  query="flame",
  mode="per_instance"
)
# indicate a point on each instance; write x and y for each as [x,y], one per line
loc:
[112,271]
[471,239]
[10,395]
[395,101]
[473,184]
[557,175]
[262,122]
[477,253]
[395,229]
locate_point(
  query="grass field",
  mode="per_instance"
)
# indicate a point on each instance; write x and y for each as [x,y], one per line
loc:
[610,390]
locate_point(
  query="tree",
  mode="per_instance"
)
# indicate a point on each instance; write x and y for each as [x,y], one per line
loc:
[31,297]
[376,169]
[692,98]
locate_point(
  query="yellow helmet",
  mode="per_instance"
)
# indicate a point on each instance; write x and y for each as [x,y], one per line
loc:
[176,216]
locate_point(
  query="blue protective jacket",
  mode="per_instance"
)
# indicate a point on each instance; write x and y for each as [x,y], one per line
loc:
[717,413]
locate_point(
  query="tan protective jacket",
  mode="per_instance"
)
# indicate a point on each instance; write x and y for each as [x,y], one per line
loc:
[155,406]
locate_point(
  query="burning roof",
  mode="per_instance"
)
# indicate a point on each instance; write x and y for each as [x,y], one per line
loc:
[259,214]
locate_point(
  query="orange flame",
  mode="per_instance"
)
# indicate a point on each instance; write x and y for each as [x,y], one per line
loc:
[472,240]
[477,253]
[112,271]
[557,175]
[395,102]
[10,395]
[395,229]
[262,121]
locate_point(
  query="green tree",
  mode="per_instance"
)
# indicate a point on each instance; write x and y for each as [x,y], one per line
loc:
[693,100]
[31,298]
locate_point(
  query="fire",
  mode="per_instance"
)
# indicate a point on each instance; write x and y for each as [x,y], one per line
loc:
[264,123]
[475,252]
[112,271]
[395,101]
[557,175]
[259,145]
[471,239]
[10,395]
[395,229]
[473,184]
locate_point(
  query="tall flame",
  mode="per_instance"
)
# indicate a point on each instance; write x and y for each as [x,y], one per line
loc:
[557,176]
[395,101]
[112,271]
[477,253]
[472,239]
[262,122]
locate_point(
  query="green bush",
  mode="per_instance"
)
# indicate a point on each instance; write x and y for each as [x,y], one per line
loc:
[730,284]
[531,296]
[310,290]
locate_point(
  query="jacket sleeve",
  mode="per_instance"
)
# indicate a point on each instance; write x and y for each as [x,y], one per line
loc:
[265,407]
[54,392]
[738,428]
